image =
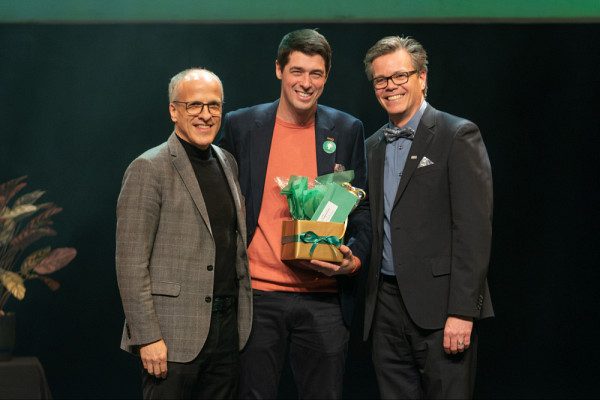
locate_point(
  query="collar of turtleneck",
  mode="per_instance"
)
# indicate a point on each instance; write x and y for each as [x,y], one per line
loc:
[194,152]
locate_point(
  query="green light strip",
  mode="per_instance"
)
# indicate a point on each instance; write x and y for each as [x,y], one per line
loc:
[122,11]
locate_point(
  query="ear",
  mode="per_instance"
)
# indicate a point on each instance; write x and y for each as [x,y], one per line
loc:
[423,79]
[278,70]
[173,112]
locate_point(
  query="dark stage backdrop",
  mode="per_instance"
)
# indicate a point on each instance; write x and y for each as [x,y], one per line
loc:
[79,102]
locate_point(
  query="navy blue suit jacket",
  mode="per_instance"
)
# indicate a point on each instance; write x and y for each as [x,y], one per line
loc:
[247,135]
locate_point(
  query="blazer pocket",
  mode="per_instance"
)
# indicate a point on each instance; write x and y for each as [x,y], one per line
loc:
[440,266]
[165,288]
[427,169]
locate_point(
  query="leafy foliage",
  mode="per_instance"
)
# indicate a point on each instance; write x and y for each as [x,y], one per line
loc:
[17,234]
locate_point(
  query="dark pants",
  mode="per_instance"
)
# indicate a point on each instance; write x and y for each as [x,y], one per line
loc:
[214,373]
[313,327]
[410,362]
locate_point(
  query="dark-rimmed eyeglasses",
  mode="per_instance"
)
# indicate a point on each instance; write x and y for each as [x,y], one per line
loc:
[195,107]
[399,78]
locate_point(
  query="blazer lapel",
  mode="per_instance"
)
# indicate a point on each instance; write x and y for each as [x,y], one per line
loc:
[184,168]
[235,193]
[423,136]
[324,132]
[376,166]
[259,150]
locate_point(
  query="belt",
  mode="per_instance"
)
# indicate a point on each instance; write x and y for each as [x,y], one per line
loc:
[391,279]
[223,303]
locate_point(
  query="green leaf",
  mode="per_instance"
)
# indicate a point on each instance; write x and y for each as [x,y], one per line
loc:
[43,219]
[29,236]
[34,259]
[51,283]
[29,198]
[19,212]
[7,230]
[56,260]
[9,189]
[13,283]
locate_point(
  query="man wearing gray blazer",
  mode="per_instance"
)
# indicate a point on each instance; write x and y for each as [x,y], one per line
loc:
[430,191]
[181,260]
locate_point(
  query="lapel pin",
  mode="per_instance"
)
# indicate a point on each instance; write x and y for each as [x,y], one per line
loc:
[413,157]
[329,147]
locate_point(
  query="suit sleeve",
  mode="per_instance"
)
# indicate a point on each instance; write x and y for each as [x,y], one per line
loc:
[470,182]
[359,222]
[226,142]
[138,213]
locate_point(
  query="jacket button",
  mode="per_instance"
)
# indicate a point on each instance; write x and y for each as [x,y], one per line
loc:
[207,299]
[210,268]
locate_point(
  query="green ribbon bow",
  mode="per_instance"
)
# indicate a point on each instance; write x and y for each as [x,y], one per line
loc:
[311,237]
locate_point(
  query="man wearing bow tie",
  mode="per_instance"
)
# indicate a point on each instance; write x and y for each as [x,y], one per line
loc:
[430,188]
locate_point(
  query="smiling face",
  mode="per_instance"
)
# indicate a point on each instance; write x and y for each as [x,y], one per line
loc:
[203,87]
[302,82]
[400,101]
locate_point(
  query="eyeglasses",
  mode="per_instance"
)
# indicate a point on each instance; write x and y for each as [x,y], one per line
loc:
[399,78]
[195,108]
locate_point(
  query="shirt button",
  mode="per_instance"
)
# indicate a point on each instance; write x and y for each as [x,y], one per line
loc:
[207,299]
[210,268]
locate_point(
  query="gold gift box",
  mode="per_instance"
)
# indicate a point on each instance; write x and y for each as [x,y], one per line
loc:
[294,249]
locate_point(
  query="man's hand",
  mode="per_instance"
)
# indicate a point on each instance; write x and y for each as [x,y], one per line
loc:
[347,266]
[154,358]
[457,334]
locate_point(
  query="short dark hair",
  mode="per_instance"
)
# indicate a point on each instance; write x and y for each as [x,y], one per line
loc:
[307,41]
[391,44]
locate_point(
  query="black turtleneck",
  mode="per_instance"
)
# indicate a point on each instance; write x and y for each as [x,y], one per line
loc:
[222,215]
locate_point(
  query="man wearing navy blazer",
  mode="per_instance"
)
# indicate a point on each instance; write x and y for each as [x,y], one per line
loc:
[430,190]
[306,304]
[181,259]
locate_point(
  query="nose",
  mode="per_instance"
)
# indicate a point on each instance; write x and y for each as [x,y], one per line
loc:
[391,85]
[306,81]
[204,114]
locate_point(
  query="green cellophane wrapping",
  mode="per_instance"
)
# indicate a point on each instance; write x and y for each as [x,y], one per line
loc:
[303,202]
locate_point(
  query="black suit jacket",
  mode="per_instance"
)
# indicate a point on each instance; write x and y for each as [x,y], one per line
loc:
[441,222]
[247,135]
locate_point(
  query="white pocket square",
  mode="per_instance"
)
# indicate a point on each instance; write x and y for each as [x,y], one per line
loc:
[425,162]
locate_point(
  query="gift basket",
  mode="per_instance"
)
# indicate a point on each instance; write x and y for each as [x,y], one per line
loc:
[320,214]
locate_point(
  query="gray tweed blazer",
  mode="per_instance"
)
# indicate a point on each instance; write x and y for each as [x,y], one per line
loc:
[164,246]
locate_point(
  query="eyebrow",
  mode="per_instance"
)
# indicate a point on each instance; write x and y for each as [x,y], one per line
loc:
[383,76]
[312,71]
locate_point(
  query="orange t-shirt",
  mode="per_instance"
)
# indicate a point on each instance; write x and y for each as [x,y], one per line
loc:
[293,152]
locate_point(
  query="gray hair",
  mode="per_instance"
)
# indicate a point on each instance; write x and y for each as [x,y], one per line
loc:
[177,79]
[391,44]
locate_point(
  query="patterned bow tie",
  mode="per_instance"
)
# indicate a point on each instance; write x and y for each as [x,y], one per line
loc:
[392,134]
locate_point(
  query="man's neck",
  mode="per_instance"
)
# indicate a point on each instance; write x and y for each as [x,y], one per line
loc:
[296,117]
[401,120]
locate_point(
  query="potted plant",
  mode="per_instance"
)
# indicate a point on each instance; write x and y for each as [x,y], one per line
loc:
[21,224]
